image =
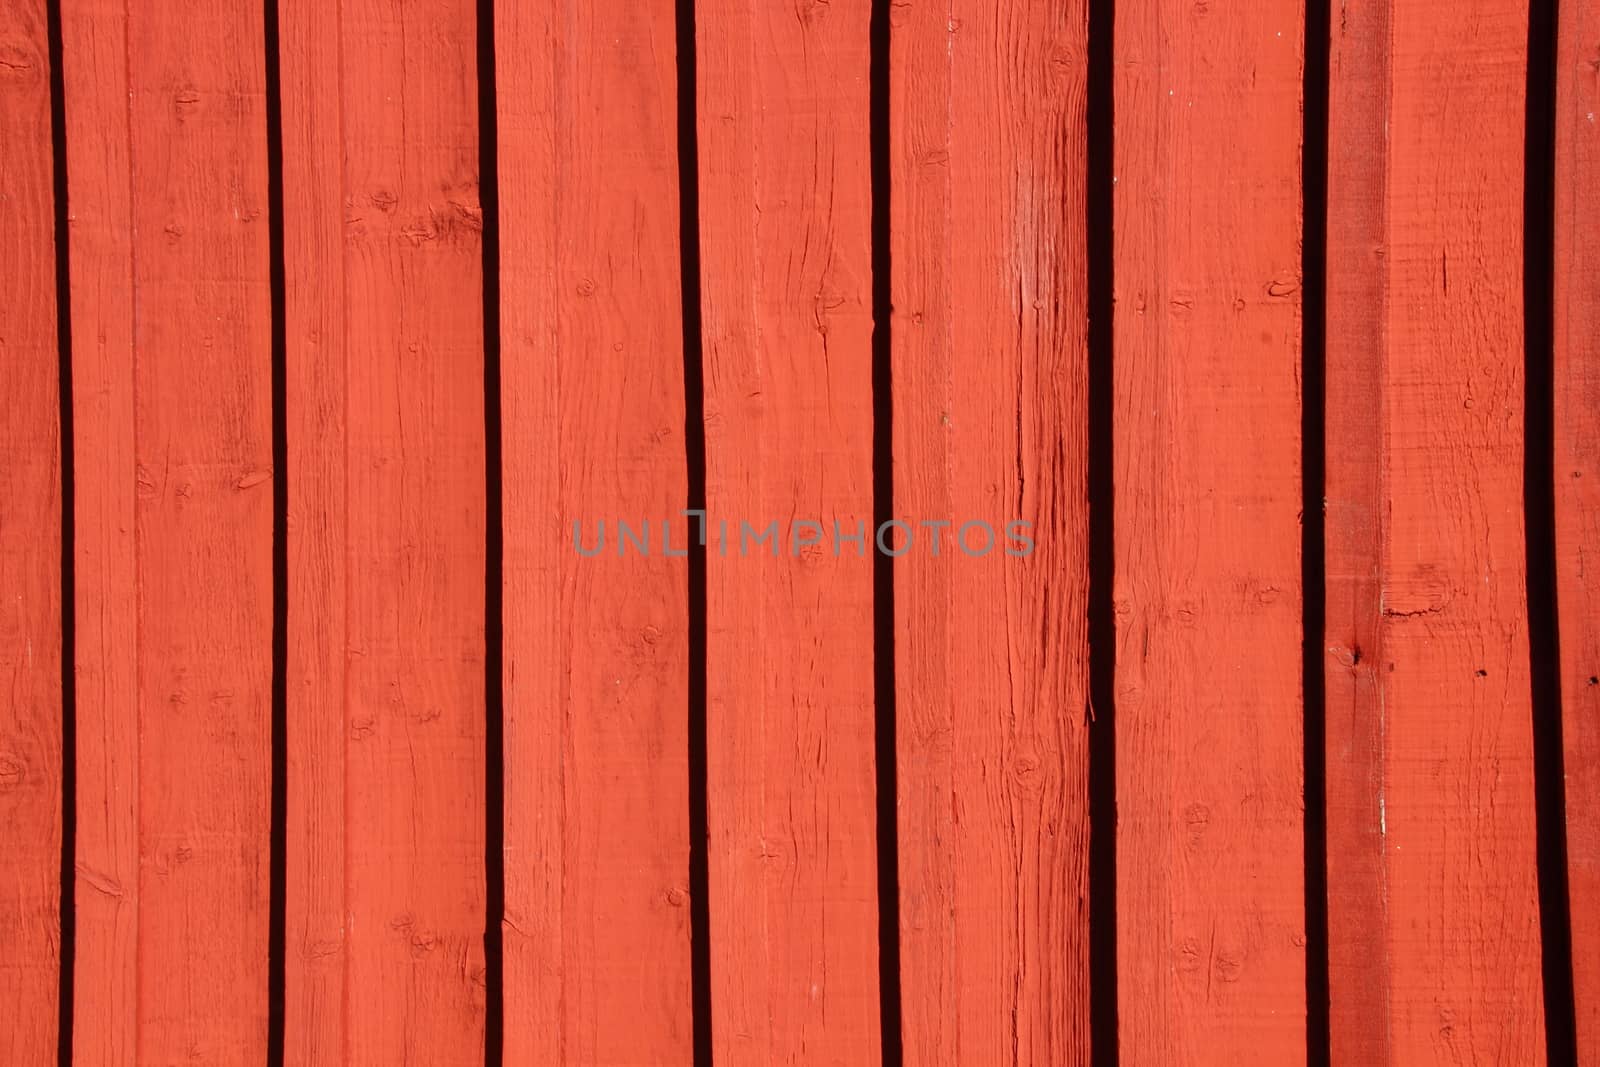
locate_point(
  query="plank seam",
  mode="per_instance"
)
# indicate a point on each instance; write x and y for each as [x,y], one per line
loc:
[67,914]
[694,441]
[1101,484]
[1538,489]
[1313,529]
[494,563]
[883,601]
[278,859]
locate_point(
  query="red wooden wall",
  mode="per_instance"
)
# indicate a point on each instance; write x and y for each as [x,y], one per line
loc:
[323,326]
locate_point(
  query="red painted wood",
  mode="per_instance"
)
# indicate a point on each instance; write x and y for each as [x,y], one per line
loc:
[30,546]
[596,650]
[786,238]
[990,380]
[1431,851]
[1353,672]
[1577,485]
[1210,916]
[106,570]
[316,903]
[414,537]
[171,313]
[1434,926]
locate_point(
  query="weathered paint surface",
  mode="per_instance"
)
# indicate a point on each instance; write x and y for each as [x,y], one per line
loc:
[171,317]
[787,277]
[990,373]
[1433,913]
[1210,878]
[1434,927]
[596,650]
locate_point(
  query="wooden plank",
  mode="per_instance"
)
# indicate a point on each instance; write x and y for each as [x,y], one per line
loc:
[786,245]
[203,453]
[1440,732]
[1577,485]
[990,389]
[596,930]
[1356,336]
[317,426]
[414,530]
[30,545]
[105,574]
[1210,915]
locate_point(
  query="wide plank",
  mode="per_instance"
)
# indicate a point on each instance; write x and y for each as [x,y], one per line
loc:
[414,535]
[990,382]
[171,317]
[785,235]
[1210,897]
[596,669]
[1434,943]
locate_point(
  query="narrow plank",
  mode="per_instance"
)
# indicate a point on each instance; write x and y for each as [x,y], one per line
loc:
[1210,915]
[414,539]
[990,381]
[202,435]
[316,422]
[1356,330]
[597,927]
[30,545]
[1439,734]
[1577,485]
[786,246]
[105,574]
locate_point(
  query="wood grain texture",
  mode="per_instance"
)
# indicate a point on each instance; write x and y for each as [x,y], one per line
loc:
[180,445]
[414,529]
[1442,729]
[1356,338]
[106,571]
[30,545]
[1210,915]
[597,927]
[316,956]
[990,389]
[786,244]
[1577,485]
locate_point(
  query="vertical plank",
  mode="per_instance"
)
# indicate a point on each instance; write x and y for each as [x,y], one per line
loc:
[202,520]
[597,964]
[786,245]
[1577,485]
[105,973]
[30,545]
[990,387]
[1425,460]
[1210,916]
[317,425]
[414,534]
[1357,333]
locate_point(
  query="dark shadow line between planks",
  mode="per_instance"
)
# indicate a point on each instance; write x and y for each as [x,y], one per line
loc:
[1313,519]
[1538,489]
[69,690]
[1100,165]
[883,601]
[694,439]
[278,861]
[494,867]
